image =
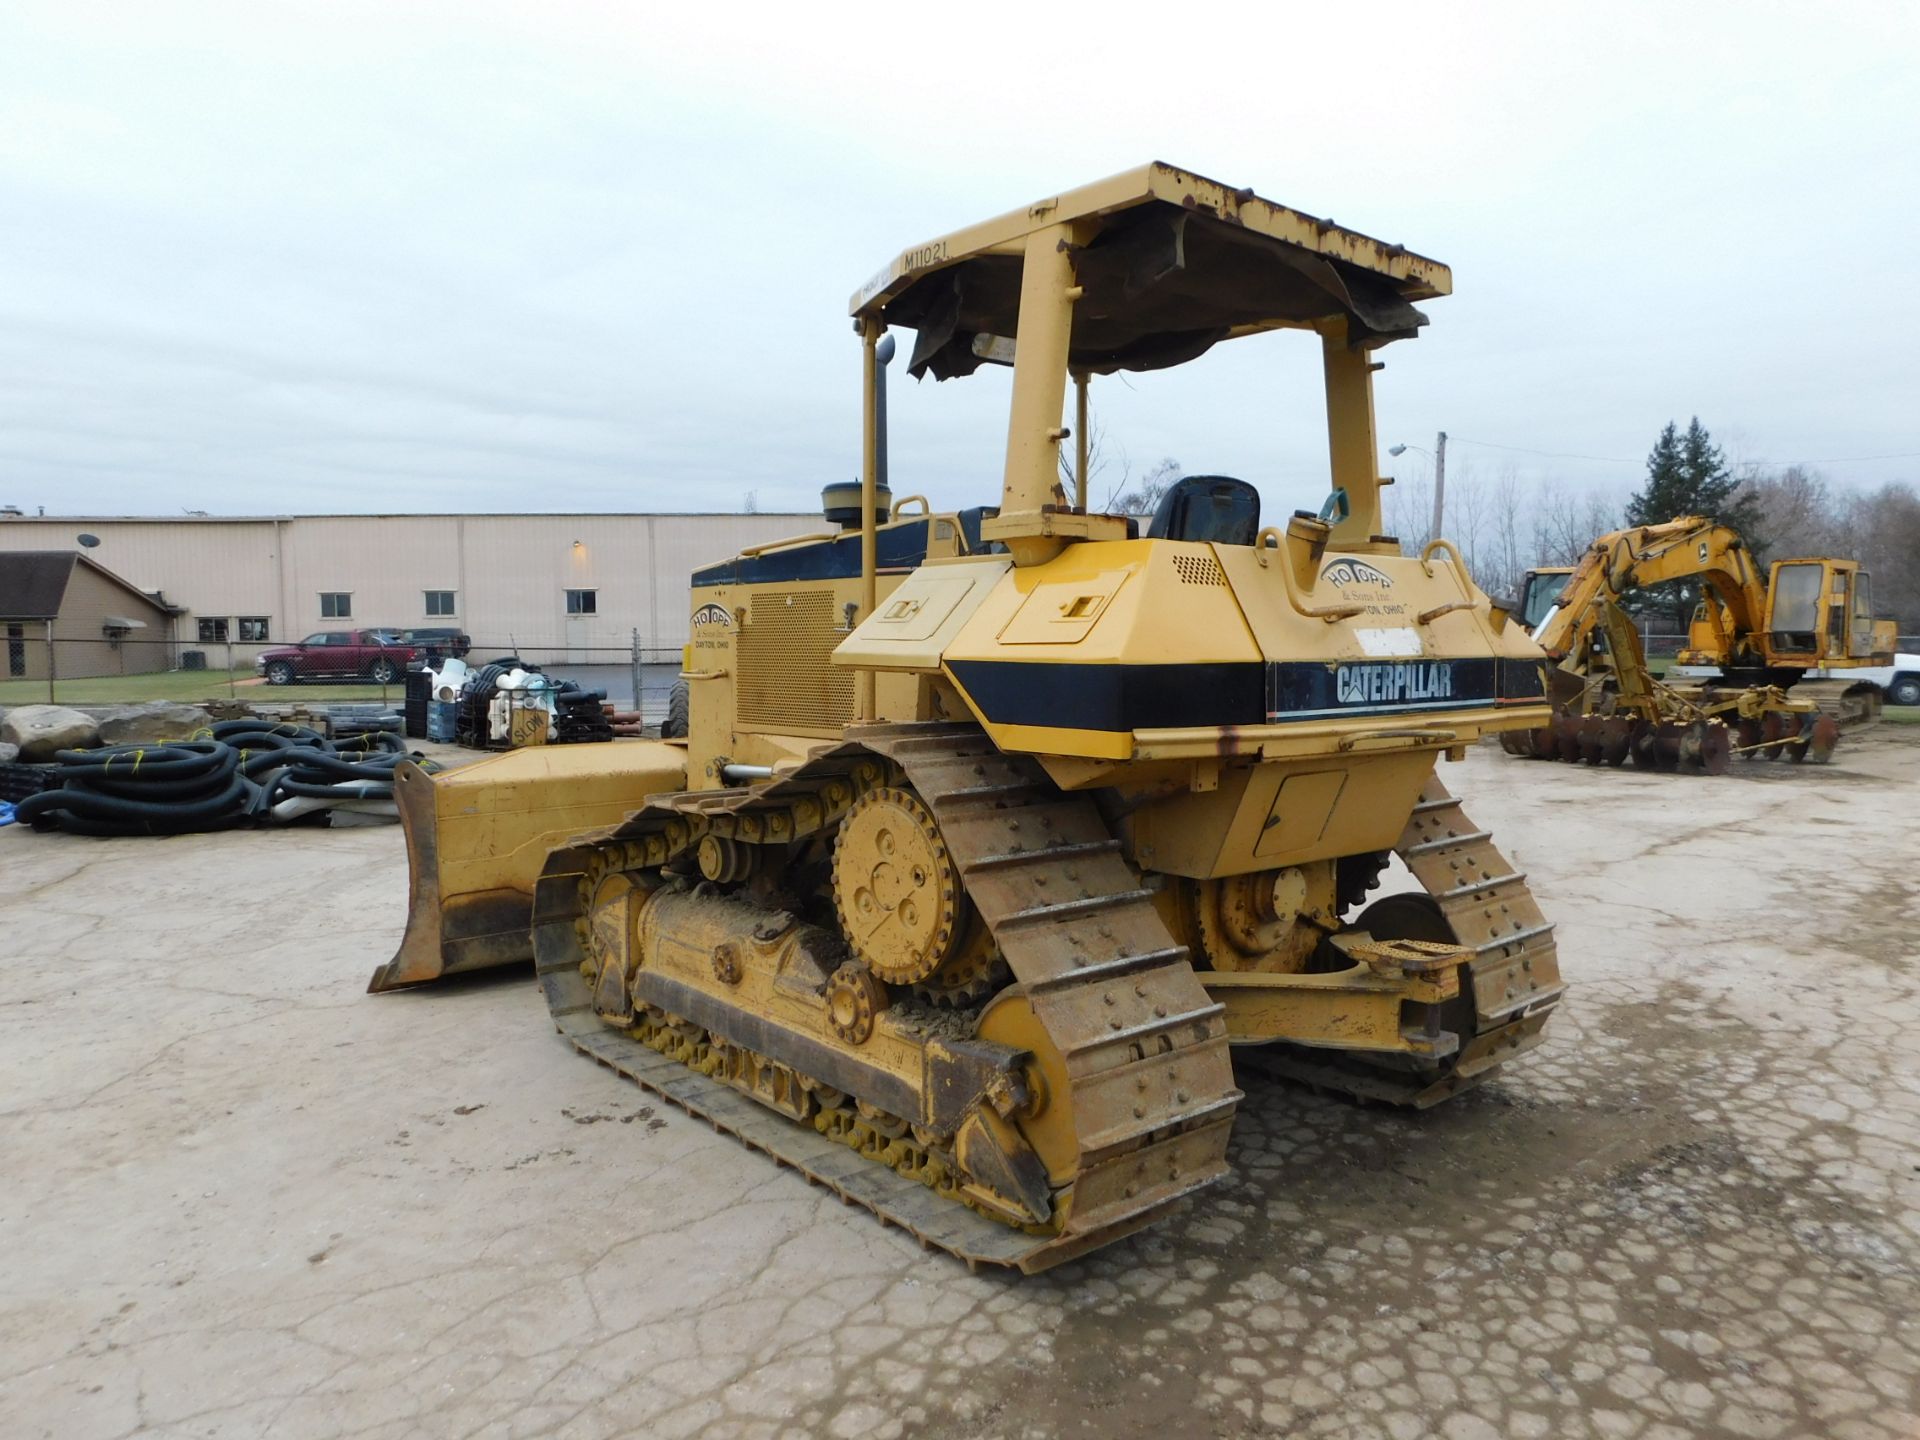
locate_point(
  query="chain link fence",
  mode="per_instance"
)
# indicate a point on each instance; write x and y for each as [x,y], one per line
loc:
[41,670]
[636,678]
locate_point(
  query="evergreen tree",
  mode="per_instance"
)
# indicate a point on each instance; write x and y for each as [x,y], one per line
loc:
[1664,496]
[1687,475]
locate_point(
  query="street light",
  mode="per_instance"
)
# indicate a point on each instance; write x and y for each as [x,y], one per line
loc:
[1439,457]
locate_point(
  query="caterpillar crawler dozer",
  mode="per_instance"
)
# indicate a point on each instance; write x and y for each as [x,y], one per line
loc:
[1763,636]
[996,831]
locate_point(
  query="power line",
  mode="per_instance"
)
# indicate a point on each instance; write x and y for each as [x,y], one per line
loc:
[1550,454]
[1843,460]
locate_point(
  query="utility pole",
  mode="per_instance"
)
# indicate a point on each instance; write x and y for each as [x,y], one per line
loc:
[638,708]
[1439,483]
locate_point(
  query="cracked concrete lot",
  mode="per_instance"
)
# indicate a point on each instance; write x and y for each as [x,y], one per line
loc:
[243,1198]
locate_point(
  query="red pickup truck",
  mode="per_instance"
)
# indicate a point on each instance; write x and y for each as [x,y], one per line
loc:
[376,654]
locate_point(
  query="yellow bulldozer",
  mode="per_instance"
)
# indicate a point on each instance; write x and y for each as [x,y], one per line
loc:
[1762,635]
[995,833]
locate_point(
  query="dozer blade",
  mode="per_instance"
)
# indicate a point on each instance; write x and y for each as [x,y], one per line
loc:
[478,835]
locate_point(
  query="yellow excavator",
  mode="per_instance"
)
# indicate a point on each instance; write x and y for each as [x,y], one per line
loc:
[1762,635]
[998,834]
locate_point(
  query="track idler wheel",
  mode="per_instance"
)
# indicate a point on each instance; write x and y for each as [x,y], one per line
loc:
[1046,1121]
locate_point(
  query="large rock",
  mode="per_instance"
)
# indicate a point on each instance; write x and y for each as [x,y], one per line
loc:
[152,722]
[39,730]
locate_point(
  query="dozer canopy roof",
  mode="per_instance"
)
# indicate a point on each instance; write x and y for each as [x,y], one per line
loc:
[1170,265]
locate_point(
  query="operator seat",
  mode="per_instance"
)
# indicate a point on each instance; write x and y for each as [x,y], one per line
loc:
[1208,507]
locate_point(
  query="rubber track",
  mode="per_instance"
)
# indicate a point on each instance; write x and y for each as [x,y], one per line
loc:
[1145,1047]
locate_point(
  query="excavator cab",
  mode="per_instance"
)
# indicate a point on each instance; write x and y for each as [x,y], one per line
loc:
[1820,613]
[1795,609]
[1540,592]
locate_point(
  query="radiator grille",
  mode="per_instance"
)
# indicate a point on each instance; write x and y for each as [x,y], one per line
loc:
[1199,569]
[788,680]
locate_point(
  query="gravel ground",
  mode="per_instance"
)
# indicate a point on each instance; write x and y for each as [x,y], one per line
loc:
[244,1198]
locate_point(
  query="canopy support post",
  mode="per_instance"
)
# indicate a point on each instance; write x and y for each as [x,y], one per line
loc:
[870,328]
[1351,444]
[1080,441]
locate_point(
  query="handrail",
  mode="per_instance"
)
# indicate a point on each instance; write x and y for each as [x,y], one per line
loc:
[895,512]
[1440,542]
[1328,613]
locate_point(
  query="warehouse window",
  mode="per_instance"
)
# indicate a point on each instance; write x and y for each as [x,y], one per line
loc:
[336,604]
[16,650]
[439,602]
[213,628]
[583,602]
[254,627]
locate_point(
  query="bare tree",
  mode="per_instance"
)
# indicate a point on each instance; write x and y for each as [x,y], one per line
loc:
[1799,513]
[1804,515]
[1409,513]
[1881,530]
[1143,497]
[1103,456]
[1468,521]
[1566,521]
[1500,561]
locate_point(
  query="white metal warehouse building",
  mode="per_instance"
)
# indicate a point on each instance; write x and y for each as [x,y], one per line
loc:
[555,584]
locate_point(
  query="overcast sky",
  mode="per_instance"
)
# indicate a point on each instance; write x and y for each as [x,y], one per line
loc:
[272,257]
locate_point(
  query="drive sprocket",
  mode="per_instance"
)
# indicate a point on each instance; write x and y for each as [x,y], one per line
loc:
[895,887]
[975,971]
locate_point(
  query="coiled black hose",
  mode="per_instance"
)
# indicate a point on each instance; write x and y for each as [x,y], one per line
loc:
[235,778]
[143,790]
